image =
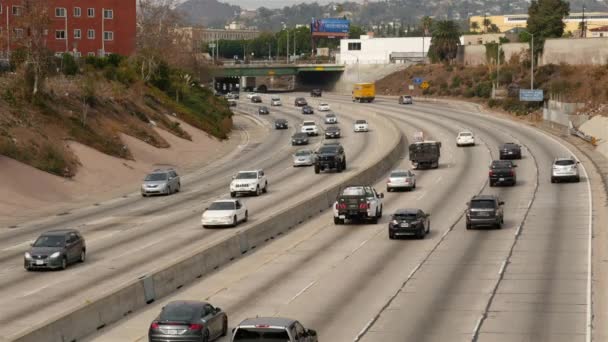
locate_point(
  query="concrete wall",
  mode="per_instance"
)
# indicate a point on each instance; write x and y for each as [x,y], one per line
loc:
[512,49]
[477,39]
[597,127]
[584,51]
[472,55]
[364,73]
[563,112]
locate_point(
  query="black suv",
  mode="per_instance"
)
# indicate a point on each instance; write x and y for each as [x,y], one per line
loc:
[510,151]
[330,157]
[409,222]
[316,93]
[485,210]
[502,172]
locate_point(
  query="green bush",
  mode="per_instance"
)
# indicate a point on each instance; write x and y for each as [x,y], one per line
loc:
[483,89]
[456,82]
[69,65]
[493,103]
[469,93]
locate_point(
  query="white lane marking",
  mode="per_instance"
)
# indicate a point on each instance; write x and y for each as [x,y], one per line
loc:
[502,268]
[420,196]
[302,291]
[107,219]
[477,326]
[438,179]
[362,332]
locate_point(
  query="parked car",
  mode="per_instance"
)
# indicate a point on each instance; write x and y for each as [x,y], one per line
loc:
[465,139]
[565,169]
[281,124]
[188,321]
[252,182]
[307,110]
[510,151]
[299,139]
[300,102]
[304,157]
[161,182]
[401,179]
[502,172]
[484,210]
[331,118]
[406,99]
[324,107]
[225,213]
[316,93]
[55,249]
[263,110]
[409,222]
[361,126]
[272,329]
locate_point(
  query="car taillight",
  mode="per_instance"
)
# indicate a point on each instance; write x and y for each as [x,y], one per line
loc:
[154,325]
[342,206]
[195,327]
[491,173]
[512,173]
[363,206]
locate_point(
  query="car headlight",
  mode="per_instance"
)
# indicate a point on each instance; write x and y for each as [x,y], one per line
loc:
[55,255]
[394,222]
[28,255]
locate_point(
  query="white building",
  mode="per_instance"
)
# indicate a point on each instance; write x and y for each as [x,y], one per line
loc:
[368,50]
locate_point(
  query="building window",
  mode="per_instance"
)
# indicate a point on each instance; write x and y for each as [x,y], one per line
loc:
[17,10]
[77,11]
[91,54]
[77,34]
[108,14]
[18,32]
[91,34]
[60,12]
[45,32]
[60,34]
[354,46]
[91,12]
[108,35]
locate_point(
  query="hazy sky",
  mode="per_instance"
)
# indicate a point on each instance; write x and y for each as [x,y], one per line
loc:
[253,4]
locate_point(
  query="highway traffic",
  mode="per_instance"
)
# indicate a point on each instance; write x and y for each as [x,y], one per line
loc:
[528,281]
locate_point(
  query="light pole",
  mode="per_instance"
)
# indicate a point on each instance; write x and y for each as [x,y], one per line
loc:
[531,60]
[286,50]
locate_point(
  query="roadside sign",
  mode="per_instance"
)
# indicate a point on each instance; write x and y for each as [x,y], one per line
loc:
[425,85]
[417,80]
[411,87]
[212,45]
[531,95]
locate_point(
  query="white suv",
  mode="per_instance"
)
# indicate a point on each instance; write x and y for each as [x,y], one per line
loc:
[565,168]
[361,126]
[465,139]
[249,182]
[309,127]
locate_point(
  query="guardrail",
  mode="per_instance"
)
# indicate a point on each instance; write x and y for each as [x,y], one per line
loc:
[111,307]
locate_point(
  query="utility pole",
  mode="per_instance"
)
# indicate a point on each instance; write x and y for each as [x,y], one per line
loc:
[287,50]
[583,25]
[294,45]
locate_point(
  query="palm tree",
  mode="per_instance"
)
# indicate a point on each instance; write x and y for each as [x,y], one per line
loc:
[474,26]
[445,41]
[427,22]
[486,23]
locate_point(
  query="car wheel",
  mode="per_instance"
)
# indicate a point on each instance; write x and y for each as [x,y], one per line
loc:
[83,255]
[499,224]
[29,269]
[317,170]
[468,225]
[246,216]
[234,221]
[205,337]
[577,179]
[552,179]
[421,235]
[224,327]
[391,236]
[337,221]
[414,187]
[339,167]
[232,194]
[380,214]
[265,190]
[64,263]
[179,187]
[167,191]
[491,184]
[388,189]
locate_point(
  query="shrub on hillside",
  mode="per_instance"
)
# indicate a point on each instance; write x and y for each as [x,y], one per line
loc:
[483,89]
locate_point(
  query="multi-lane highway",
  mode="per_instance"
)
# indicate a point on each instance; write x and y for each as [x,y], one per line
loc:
[529,281]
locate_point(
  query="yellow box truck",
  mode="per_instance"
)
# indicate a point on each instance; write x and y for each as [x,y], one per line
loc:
[364,92]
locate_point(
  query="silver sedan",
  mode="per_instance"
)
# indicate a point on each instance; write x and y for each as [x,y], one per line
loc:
[304,157]
[401,179]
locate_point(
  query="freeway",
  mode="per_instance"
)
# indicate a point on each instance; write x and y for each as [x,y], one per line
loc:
[128,238]
[529,281]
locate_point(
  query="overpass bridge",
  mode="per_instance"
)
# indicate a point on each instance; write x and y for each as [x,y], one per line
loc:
[275,77]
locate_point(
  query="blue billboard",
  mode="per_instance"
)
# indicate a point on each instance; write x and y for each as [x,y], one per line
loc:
[330,27]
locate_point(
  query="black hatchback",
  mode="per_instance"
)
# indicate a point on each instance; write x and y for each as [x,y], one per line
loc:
[307,110]
[510,151]
[56,249]
[188,321]
[409,222]
[263,110]
[281,124]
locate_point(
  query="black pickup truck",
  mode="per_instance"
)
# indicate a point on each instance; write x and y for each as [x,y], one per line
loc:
[425,154]
[502,172]
[330,156]
[357,203]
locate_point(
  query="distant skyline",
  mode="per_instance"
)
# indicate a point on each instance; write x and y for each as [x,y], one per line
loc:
[253,4]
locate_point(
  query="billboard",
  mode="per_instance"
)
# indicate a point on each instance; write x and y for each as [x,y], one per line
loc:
[330,27]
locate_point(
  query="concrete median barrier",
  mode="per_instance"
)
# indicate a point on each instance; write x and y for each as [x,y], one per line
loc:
[113,306]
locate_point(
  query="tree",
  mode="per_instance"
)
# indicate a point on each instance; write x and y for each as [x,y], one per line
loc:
[426,23]
[445,41]
[546,20]
[493,29]
[486,24]
[355,32]
[474,26]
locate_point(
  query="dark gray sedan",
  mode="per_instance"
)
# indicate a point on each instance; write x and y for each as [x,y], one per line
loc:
[299,139]
[332,132]
[188,321]
[56,249]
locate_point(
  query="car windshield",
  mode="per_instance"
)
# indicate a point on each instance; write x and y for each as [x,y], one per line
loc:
[324,104]
[154,177]
[564,162]
[333,128]
[261,335]
[300,136]
[308,124]
[330,115]
[483,204]
[50,241]
[247,175]
[465,134]
[303,153]
[405,216]
[222,206]
[177,313]
[399,174]
[407,97]
[360,122]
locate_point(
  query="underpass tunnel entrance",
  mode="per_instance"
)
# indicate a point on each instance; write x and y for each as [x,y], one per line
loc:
[326,80]
[227,84]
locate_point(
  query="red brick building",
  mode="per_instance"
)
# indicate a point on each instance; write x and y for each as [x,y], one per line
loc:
[83,27]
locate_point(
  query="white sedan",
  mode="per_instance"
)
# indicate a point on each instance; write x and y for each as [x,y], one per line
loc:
[224,213]
[401,179]
[465,139]
[324,107]
[361,126]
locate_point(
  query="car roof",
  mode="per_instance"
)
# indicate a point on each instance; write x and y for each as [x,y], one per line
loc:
[272,321]
[60,232]
[280,120]
[484,197]
[406,211]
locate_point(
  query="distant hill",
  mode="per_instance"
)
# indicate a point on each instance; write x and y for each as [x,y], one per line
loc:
[209,13]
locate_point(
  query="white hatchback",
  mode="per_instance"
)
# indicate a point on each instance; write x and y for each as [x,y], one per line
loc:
[465,139]
[361,126]
[224,213]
